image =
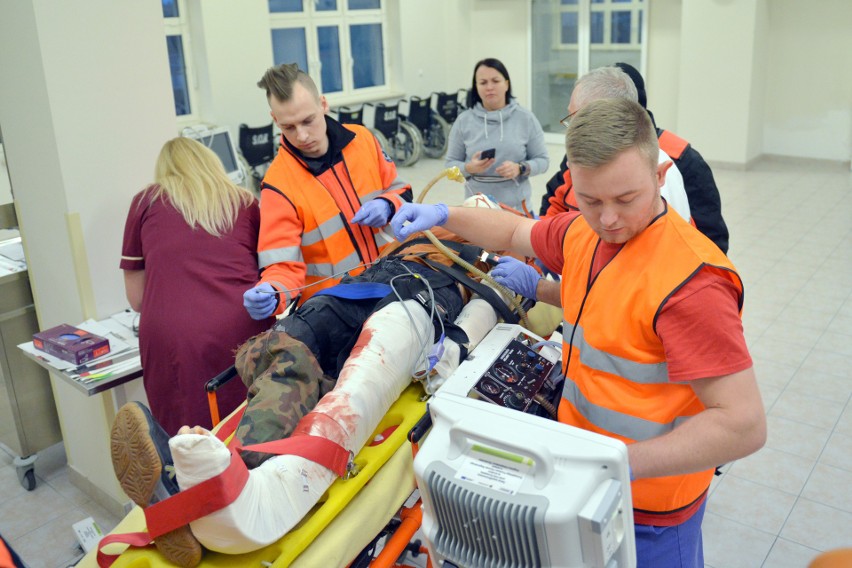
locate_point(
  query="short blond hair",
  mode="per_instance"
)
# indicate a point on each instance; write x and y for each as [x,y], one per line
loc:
[605,128]
[278,82]
[191,176]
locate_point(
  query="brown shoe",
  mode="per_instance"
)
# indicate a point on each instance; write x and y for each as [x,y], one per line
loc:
[140,452]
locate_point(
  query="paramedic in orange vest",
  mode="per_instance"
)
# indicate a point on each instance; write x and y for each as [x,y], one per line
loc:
[324,199]
[705,204]
[653,351]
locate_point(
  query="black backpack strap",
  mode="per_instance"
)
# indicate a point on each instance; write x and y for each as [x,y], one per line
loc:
[487,293]
[467,252]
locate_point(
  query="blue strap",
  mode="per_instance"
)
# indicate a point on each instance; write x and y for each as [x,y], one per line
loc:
[357,290]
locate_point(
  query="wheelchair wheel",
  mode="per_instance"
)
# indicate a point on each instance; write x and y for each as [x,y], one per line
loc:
[383,142]
[437,136]
[407,144]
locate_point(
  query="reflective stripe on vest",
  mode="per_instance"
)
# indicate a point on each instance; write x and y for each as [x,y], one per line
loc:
[325,269]
[323,231]
[645,373]
[615,422]
[286,254]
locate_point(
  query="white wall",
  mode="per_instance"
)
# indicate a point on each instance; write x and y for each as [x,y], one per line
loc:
[233,42]
[435,46]
[86,106]
[85,111]
[808,110]
[663,70]
[798,84]
[717,77]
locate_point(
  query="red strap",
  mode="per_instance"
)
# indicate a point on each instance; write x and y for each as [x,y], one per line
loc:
[207,497]
[220,491]
[138,539]
[314,448]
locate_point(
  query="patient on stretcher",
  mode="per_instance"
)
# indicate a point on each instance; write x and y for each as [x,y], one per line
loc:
[288,371]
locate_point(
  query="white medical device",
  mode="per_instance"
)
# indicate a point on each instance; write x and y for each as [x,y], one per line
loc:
[219,140]
[505,489]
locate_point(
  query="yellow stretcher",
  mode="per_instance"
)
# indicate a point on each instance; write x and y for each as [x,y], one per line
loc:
[345,521]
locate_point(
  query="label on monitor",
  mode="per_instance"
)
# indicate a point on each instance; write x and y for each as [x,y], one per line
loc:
[495,469]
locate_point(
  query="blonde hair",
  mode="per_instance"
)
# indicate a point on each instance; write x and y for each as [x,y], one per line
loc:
[193,179]
[604,128]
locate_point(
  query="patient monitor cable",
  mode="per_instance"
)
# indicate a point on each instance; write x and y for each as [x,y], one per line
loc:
[455,174]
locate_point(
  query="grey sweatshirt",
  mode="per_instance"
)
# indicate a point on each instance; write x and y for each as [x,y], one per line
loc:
[517,136]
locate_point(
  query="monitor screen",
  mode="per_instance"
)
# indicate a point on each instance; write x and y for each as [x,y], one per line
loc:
[220,141]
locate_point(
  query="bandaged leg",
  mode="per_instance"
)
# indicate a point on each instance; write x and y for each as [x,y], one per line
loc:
[477,318]
[284,488]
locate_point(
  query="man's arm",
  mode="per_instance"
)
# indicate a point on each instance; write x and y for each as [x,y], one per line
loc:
[732,426]
[492,229]
[279,252]
[548,291]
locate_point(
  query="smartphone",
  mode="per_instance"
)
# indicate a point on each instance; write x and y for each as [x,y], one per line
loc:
[486,154]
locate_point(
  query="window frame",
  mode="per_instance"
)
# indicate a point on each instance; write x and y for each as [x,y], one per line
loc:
[179,26]
[584,10]
[310,19]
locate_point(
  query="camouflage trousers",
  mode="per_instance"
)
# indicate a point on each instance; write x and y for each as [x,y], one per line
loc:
[284,383]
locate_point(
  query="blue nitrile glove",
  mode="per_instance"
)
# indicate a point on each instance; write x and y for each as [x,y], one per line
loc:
[516,276]
[260,301]
[374,213]
[420,218]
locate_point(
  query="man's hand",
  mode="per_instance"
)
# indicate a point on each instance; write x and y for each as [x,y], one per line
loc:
[418,218]
[516,276]
[374,213]
[260,301]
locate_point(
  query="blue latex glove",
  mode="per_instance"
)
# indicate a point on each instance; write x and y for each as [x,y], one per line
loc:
[516,276]
[374,213]
[420,218]
[260,301]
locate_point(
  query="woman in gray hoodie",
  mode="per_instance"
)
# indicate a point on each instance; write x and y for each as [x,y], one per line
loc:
[495,121]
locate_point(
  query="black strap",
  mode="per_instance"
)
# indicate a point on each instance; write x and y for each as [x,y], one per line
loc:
[487,293]
[467,252]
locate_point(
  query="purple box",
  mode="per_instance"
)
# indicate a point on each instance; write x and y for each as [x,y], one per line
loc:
[71,344]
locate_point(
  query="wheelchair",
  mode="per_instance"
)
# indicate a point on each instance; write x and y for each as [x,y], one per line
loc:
[448,106]
[257,149]
[404,142]
[433,128]
[355,115]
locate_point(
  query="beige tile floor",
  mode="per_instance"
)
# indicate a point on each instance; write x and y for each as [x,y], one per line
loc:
[791,238]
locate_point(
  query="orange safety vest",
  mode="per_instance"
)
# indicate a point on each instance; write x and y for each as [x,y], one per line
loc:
[329,244]
[615,366]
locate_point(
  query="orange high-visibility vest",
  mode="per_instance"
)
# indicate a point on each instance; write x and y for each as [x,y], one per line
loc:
[328,244]
[615,366]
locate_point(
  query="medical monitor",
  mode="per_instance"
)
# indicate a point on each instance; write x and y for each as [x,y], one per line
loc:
[503,488]
[219,140]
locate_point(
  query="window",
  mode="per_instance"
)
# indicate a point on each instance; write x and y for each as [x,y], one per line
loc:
[340,43]
[177,42]
[570,37]
[613,24]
